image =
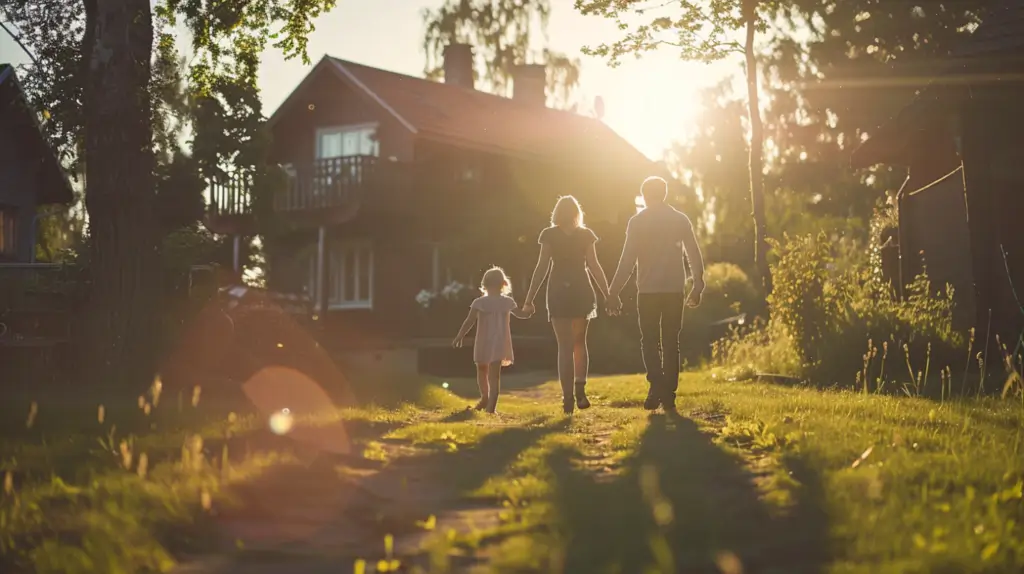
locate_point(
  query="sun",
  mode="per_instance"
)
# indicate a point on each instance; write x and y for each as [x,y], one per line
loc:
[653,102]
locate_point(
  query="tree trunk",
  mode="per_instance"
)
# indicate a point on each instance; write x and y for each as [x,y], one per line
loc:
[756,164]
[120,192]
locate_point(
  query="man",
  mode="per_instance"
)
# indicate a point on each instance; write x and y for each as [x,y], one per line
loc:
[657,238]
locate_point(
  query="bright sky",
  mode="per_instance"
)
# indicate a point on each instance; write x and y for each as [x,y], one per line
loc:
[650,102]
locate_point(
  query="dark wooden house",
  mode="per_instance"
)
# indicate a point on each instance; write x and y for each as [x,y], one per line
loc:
[398,184]
[30,175]
[32,321]
[961,207]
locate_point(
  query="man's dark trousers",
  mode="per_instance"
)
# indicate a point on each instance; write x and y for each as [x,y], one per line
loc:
[661,320]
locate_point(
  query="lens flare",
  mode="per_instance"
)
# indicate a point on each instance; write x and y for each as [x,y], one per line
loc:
[281,422]
[444,385]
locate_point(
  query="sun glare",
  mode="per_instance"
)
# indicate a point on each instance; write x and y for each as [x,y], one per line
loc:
[654,102]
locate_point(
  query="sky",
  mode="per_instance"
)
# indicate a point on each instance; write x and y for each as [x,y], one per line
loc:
[650,102]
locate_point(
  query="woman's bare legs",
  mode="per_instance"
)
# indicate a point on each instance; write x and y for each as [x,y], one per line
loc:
[566,367]
[581,361]
[481,381]
[493,385]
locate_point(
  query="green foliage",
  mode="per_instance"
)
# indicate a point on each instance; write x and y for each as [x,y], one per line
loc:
[728,291]
[700,31]
[805,303]
[502,33]
[835,325]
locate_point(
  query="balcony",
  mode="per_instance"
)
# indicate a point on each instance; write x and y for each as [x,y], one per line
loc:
[324,191]
[231,208]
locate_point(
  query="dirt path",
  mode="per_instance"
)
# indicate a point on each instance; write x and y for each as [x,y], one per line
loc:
[325,513]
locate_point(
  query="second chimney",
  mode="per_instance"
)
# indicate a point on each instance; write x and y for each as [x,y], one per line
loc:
[529,82]
[458,65]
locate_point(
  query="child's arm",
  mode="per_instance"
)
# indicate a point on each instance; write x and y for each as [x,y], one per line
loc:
[466,326]
[518,313]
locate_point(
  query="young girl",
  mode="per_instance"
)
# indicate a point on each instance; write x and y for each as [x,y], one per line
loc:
[492,348]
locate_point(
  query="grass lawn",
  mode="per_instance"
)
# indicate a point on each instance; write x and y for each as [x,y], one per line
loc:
[748,478]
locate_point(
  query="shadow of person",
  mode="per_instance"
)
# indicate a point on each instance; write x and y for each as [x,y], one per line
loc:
[319,508]
[683,504]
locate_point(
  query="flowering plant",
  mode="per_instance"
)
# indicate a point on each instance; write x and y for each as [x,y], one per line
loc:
[452,292]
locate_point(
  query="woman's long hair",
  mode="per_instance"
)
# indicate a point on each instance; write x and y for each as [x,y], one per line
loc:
[567,212]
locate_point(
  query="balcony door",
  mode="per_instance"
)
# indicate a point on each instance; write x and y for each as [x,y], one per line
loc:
[338,153]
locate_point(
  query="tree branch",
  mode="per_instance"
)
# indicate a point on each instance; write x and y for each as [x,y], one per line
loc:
[17,40]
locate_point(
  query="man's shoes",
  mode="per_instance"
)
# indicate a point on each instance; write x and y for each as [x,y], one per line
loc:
[653,400]
[668,402]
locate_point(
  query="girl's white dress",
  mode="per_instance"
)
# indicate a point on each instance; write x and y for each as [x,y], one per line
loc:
[493,343]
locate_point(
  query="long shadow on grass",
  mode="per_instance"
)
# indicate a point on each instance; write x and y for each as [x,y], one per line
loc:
[308,505]
[715,511]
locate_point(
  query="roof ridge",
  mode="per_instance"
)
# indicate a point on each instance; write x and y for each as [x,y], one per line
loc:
[474,91]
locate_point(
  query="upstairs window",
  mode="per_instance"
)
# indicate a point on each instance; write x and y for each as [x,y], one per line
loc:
[8,232]
[347,141]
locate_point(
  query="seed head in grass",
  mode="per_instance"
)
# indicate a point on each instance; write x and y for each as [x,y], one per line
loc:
[33,412]
[156,390]
[729,563]
[197,391]
[126,455]
[8,483]
[101,414]
[143,466]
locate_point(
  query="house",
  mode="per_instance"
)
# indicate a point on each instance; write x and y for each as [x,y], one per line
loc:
[31,324]
[396,184]
[30,174]
[961,206]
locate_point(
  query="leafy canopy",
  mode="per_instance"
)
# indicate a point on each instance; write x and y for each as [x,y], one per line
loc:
[701,31]
[503,33]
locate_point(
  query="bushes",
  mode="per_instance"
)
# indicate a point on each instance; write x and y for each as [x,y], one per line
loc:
[842,326]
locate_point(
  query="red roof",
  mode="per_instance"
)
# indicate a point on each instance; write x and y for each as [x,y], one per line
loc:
[472,118]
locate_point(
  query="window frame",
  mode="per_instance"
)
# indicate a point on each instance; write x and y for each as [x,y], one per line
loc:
[337,275]
[343,129]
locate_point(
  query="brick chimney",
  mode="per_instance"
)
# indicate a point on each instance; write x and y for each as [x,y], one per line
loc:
[458,65]
[529,82]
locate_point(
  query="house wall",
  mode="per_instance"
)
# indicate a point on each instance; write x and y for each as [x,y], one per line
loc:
[19,180]
[491,218]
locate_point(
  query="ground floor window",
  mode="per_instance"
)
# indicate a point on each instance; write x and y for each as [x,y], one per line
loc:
[349,270]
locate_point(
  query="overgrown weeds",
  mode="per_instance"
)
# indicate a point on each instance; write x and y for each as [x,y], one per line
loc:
[843,326]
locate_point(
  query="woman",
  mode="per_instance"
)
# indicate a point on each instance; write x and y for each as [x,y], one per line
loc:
[567,250]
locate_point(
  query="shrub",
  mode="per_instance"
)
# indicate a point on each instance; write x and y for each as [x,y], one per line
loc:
[728,291]
[833,325]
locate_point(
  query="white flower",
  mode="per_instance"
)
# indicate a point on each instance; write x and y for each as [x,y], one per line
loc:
[424,298]
[452,290]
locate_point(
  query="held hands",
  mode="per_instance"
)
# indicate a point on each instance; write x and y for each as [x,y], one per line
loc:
[693,299]
[613,305]
[529,308]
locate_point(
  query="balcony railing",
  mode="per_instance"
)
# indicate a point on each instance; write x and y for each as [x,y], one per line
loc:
[231,194]
[326,183]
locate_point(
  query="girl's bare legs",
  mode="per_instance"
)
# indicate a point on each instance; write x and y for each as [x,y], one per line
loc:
[581,361]
[481,381]
[564,335]
[493,385]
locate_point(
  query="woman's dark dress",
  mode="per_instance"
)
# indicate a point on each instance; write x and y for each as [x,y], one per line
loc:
[570,294]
